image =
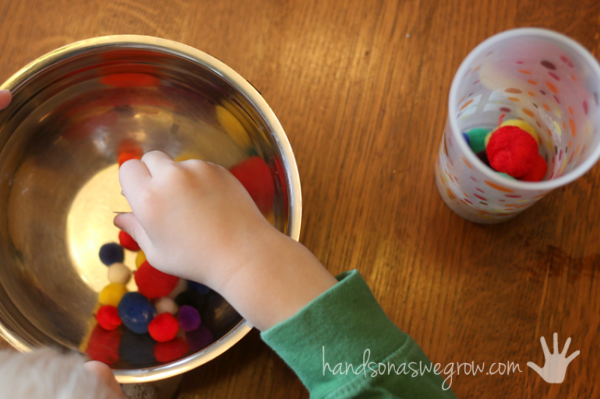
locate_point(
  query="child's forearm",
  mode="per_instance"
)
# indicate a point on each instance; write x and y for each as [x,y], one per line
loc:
[280,280]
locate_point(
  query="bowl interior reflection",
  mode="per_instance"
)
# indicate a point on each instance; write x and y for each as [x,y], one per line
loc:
[59,180]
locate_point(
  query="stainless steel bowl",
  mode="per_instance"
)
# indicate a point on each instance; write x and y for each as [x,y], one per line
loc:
[73,110]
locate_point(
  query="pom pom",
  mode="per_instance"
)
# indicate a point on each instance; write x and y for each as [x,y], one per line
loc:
[111,253]
[136,312]
[507,176]
[256,177]
[166,305]
[191,298]
[182,285]
[537,172]
[513,151]
[487,139]
[232,126]
[199,288]
[189,318]
[152,283]
[128,242]
[137,349]
[523,125]
[103,345]
[126,156]
[139,259]
[119,273]
[108,317]
[199,339]
[186,156]
[163,327]
[112,294]
[128,145]
[130,80]
[477,139]
[168,351]
[466,137]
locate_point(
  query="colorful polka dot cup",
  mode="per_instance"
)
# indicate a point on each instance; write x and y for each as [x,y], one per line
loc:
[534,75]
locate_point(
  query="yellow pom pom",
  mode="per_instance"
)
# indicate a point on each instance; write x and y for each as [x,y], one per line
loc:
[523,125]
[112,294]
[184,157]
[487,138]
[233,127]
[140,258]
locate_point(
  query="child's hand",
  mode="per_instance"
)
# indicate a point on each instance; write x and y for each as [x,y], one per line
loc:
[105,375]
[192,218]
[5,98]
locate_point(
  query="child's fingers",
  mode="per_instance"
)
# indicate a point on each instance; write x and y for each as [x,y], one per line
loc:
[5,98]
[133,176]
[103,373]
[155,160]
[129,224]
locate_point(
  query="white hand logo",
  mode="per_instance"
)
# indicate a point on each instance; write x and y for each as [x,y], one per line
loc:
[556,364]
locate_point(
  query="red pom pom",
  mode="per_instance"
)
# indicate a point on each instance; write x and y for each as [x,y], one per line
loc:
[538,171]
[152,283]
[108,317]
[256,177]
[103,345]
[512,150]
[126,156]
[128,242]
[130,80]
[130,147]
[168,351]
[163,327]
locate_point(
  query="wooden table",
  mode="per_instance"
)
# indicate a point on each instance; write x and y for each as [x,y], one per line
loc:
[361,89]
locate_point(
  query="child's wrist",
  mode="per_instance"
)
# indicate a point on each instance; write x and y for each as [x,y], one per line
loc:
[276,283]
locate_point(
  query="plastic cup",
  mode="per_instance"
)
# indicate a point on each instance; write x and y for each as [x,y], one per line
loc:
[538,76]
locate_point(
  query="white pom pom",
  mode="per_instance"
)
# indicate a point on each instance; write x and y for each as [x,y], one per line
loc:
[166,305]
[119,273]
[181,286]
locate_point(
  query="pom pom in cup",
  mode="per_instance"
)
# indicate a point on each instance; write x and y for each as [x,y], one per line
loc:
[535,75]
[60,141]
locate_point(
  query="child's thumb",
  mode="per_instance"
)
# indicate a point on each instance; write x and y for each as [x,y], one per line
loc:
[129,224]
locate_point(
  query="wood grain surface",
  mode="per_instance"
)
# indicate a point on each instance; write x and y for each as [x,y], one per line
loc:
[361,89]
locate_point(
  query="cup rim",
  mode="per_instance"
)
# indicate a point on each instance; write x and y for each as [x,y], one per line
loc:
[283,145]
[546,185]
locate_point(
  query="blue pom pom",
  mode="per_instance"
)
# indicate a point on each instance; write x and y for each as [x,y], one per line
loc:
[111,253]
[466,136]
[200,288]
[136,312]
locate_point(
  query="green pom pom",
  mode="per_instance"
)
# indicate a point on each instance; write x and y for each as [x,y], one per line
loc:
[477,139]
[507,176]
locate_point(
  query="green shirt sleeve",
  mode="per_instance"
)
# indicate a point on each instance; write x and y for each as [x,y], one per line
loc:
[342,345]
